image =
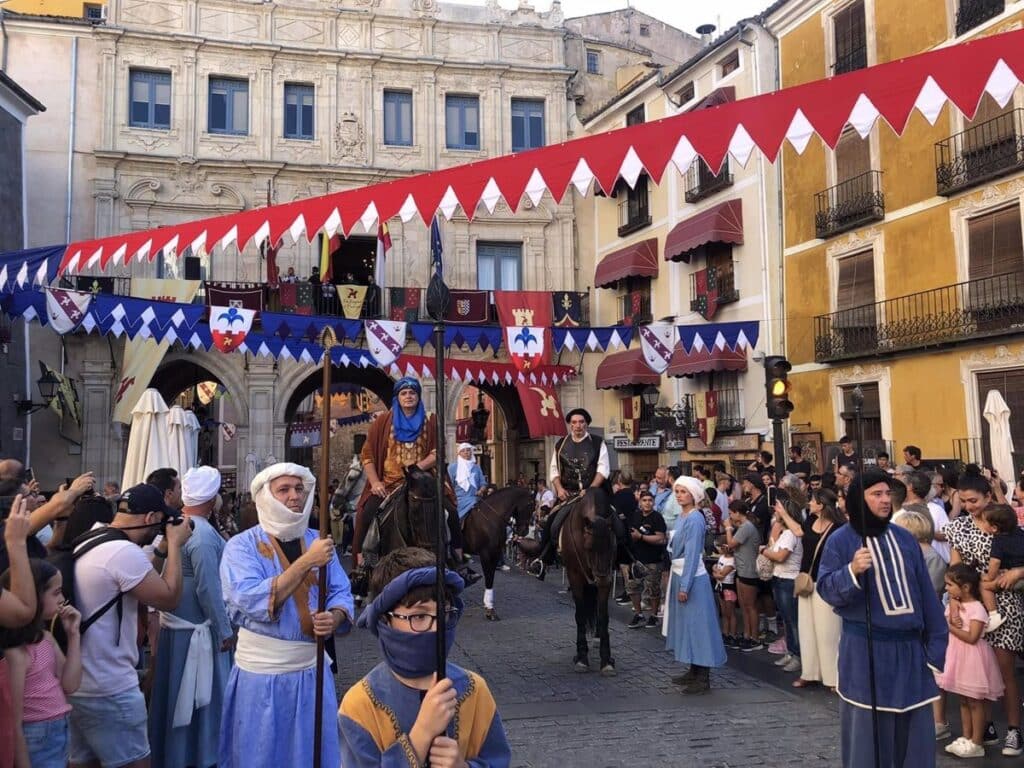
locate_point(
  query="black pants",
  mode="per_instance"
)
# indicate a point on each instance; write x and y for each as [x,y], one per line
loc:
[454,528]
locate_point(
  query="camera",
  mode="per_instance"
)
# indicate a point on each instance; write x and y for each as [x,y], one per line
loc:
[176,519]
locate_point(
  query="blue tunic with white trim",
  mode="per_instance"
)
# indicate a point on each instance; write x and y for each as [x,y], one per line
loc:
[909,630]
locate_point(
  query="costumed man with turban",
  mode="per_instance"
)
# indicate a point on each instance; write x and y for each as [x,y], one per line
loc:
[579,463]
[269,575]
[870,559]
[196,638]
[468,481]
[403,436]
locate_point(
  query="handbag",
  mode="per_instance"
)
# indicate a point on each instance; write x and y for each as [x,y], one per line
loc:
[765,568]
[804,584]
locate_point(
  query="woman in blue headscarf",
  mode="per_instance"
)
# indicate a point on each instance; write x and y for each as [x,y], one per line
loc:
[403,436]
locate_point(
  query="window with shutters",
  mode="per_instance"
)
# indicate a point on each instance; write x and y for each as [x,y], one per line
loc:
[990,139]
[150,99]
[855,291]
[298,111]
[1010,384]
[995,265]
[462,122]
[398,118]
[849,30]
[871,412]
[228,106]
[634,210]
[853,156]
[856,198]
[527,124]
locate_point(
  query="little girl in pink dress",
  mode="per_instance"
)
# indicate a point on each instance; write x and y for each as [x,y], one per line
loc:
[971,670]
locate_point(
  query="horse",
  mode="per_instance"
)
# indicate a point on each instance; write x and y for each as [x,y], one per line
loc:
[351,487]
[587,546]
[484,533]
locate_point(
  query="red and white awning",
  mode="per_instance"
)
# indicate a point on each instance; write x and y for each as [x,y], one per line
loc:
[958,74]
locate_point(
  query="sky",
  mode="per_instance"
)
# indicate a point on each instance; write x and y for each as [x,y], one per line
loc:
[687,15]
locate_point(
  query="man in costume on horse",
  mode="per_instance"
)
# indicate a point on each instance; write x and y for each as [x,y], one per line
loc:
[580,462]
[468,480]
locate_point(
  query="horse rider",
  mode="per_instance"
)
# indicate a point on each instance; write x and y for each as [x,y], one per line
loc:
[580,462]
[402,436]
[468,480]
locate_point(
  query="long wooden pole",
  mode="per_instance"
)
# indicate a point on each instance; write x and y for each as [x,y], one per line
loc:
[327,341]
[442,519]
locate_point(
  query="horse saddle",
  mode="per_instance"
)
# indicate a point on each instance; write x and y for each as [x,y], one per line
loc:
[395,525]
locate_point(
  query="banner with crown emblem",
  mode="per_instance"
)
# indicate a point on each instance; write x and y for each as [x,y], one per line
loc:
[229,326]
[530,309]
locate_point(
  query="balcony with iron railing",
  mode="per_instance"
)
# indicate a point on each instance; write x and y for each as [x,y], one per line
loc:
[854,56]
[976,309]
[849,204]
[981,153]
[730,412]
[724,277]
[701,182]
[635,308]
[971,13]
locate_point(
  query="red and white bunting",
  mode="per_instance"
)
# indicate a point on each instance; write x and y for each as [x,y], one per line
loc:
[957,74]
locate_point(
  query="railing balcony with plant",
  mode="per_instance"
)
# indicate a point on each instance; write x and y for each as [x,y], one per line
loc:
[975,309]
[635,308]
[981,153]
[971,13]
[701,182]
[849,204]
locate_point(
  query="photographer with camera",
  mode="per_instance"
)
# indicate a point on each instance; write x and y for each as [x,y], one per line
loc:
[112,576]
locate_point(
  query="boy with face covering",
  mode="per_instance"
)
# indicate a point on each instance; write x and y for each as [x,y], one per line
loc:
[398,715]
[871,559]
[269,576]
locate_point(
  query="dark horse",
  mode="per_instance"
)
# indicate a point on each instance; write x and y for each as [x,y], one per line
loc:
[587,548]
[484,532]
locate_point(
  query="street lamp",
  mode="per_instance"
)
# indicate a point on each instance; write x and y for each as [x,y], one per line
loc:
[480,416]
[48,385]
[650,396]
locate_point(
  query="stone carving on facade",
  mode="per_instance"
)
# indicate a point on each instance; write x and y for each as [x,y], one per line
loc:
[300,30]
[216,21]
[147,141]
[459,44]
[991,194]
[526,49]
[231,197]
[397,38]
[349,35]
[428,8]
[349,139]
[854,241]
[999,354]
[146,13]
[189,178]
[858,373]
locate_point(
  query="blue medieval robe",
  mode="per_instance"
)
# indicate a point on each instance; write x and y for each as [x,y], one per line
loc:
[201,601]
[467,499]
[378,712]
[693,632]
[268,718]
[909,641]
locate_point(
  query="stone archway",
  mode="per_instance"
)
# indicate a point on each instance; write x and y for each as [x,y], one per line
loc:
[182,369]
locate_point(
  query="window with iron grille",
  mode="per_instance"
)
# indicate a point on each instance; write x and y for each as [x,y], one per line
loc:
[849,29]
[593,62]
[730,63]
[94,12]
[298,111]
[527,124]
[228,106]
[871,412]
[462,122]
[634,212]
[398,118]
[150,99]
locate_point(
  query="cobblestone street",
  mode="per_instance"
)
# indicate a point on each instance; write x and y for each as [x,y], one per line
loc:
[557,717]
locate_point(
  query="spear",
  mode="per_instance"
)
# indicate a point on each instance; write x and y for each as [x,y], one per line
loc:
[327,341]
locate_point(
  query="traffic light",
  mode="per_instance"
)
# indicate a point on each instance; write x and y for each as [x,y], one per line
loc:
[778,386]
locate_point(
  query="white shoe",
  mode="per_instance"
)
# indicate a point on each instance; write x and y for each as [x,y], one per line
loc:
[965,748]
[793,666]
[949,747]
[995,621]
[783,660]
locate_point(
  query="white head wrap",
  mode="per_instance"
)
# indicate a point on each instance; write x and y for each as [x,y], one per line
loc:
[199,485]
[276,519]
[464,467]
[694,486]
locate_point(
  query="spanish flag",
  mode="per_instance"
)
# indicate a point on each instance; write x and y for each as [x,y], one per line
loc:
[327,246]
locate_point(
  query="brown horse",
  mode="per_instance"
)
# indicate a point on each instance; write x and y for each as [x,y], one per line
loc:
[484,532]
[587,547]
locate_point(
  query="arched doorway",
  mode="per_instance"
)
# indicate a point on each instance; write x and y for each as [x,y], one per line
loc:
[507,450]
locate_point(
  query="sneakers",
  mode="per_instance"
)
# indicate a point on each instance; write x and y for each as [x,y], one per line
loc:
[793,665]
[965,748]
[942,731]
[1012,744]
[652,623]
[778,648]
[729,641]
[783,661]
[991,735]
[637,622]
[747,645]
[995,621]
[622,598]
[506,568]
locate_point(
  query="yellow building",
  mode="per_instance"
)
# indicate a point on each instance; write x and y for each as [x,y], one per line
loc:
[70,8]
[698,250]
[917,238]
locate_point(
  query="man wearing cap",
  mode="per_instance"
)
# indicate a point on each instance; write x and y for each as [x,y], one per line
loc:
[193,663]
[112,576]
[580,462]
[882,564]
[269,576]
[402,436]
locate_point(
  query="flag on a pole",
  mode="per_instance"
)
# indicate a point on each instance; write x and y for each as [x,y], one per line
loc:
[327,246]
[436,248]
[383,246]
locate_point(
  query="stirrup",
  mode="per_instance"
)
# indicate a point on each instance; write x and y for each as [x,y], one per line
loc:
[536,568]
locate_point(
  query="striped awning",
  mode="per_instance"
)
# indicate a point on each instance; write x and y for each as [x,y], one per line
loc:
[706,360]
[625,369]
[721,224]
[636,260]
